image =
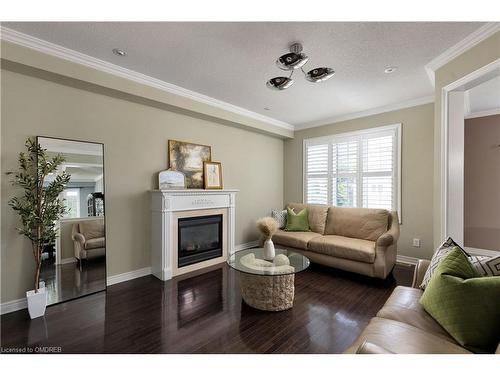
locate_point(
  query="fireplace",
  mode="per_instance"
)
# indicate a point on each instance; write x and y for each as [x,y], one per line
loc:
[168,236]
[199,239]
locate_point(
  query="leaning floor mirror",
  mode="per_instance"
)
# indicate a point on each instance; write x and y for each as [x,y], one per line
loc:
[75,264]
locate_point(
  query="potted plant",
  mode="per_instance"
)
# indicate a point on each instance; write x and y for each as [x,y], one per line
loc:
[39,208]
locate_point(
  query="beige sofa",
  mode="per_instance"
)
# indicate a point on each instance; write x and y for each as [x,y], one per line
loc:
[403,326]
[89,239]
[358,240]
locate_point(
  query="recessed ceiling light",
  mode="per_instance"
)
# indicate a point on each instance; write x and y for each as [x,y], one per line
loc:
[119,52]
[390,69]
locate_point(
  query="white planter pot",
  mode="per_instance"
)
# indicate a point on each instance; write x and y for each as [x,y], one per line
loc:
[37,302]
[269,252]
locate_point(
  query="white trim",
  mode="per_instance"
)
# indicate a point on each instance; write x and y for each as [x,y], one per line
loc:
[464,45]
[52,49]
[467,110]
[459,83]
[369,112]
[489,112]
[126,276]
[14,305]
[403,259]
[246,245]
[67,260]
[482,252]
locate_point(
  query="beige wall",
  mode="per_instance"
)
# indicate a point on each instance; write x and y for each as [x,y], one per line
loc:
[417,174]
[135,136]
[480,55]
[482,183]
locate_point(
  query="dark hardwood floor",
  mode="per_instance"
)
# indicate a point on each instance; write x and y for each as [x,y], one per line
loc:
[203,313]
[65,281]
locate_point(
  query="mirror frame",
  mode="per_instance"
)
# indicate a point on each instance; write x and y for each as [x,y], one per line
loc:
[105,214]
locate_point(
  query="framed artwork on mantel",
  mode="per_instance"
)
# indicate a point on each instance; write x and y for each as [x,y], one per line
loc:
[188,158]
[213,175]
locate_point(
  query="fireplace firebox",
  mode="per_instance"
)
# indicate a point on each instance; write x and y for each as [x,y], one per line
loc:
[199,239]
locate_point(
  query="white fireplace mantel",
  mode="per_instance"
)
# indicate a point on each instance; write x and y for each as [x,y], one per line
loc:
[167,205]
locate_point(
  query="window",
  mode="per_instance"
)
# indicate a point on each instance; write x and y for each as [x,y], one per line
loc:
[72,202]
[358,169]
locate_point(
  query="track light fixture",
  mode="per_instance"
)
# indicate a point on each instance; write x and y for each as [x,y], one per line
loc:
[293,60]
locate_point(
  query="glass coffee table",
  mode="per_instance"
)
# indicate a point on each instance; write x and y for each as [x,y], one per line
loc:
[268,285]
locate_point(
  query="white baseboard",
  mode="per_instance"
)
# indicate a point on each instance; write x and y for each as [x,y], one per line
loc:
[10,306]
[68,260]
[122,277]
[406,260]
[246,245]
[20,304]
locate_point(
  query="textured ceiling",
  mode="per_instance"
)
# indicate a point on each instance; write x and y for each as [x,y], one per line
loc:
[232,61]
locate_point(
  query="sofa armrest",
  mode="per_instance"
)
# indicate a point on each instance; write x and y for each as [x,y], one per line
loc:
[369,348]
[418,274]
[79,238]
[392,235]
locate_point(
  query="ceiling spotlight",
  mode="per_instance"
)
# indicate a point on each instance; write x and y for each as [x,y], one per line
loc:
[320,74]
[279,83]
[390,69]
[119,52]
[292,61]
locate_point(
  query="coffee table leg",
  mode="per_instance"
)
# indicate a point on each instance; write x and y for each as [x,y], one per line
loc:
[269,293]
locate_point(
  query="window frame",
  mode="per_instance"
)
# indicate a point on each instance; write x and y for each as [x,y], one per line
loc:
[397,160]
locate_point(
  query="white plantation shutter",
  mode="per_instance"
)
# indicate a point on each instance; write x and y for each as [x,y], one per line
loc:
[358,169]
[378,165]
[317,174]
[345,169]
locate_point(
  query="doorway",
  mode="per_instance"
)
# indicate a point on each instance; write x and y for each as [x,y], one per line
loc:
[470,161]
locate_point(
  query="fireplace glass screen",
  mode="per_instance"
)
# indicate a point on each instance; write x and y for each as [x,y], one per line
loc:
[200,239]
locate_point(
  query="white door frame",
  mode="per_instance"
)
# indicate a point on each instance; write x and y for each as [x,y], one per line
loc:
[464,83]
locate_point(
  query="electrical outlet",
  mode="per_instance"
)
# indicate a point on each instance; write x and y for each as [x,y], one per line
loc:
[416,242]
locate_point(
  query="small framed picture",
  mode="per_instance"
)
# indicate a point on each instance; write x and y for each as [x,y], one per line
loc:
[171,180]
[213,174]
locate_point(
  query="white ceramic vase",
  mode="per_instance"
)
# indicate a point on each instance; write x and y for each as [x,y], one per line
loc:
[37,302]
[269,252]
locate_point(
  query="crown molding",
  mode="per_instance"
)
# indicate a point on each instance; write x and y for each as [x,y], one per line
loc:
[464,45]
[368,112]
[489,112]
[25,40]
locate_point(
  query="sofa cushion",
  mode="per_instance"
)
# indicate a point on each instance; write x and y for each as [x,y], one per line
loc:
[294,239]
[344,247]
[363,223]
[95,243]
[398,337]
[403,305]
[464,303]
[92,228]
[316,215]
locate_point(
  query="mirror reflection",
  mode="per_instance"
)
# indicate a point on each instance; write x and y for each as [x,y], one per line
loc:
[75,265]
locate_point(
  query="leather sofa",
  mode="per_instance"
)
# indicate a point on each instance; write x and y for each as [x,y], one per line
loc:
[89,239]
[359,240]
[403,326]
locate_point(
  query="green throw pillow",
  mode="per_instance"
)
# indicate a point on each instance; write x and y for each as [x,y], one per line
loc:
[465,304]
[297,222]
